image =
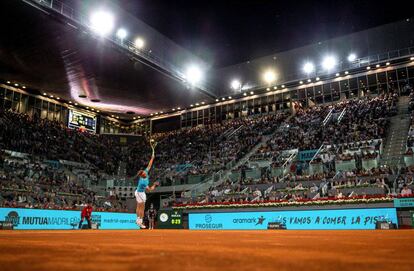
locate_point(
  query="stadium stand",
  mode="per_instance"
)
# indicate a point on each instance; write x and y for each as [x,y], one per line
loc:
[340,131]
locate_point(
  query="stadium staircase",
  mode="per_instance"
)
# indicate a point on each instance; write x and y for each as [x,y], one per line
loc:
[394,147]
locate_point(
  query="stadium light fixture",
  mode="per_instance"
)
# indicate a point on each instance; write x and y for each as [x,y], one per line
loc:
[139,43]
[245,94]
[193,75]
[102,22]
[308,67]
[301,82]
[121,34]
[275,87]
[317,79]
[269,76]
[8,82]
[309,80]
[377,66]
[412,58]
[368,68]
[217,100]
[388,63]
[179,108]
[337,74]
[283,86]
[267,89]
[352,57]
[223,99]
[329,62]
[229,97]
[16,85]
[23,86]
[346,72]
[251,92]
[235,84]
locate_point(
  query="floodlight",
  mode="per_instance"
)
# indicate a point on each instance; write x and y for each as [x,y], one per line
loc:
[352,57]
[269,76]
[121,33]
[235,84]
[329,63]
[308,67]
[139,43]
[193,75]
[102,22]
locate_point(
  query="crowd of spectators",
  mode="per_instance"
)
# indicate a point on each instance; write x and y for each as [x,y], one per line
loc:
[54,141]
[410,137]
[292,187]
[34,184]
[201,150]
[363,120]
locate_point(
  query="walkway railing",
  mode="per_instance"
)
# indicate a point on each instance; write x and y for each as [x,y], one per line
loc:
[328,117]
[316,154]
[341,115]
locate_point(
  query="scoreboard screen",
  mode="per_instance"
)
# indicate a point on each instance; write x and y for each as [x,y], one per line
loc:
[169,219]
[78,120]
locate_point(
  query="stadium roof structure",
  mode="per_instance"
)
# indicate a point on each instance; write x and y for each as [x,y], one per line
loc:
[371,46]
[49,47]
[47,51]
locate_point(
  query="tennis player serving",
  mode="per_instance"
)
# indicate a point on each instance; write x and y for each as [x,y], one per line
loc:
[143,186]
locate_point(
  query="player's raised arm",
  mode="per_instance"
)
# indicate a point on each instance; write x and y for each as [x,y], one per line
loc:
[153,144]
[151,188]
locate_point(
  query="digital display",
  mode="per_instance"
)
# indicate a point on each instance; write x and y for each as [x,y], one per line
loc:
[168,219]
[80,120]
[346,219]
[36,219]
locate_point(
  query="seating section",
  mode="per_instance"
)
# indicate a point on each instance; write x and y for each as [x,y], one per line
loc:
[52,140]
[350,130]
[28,183]
[292,187]
[410,138]
[202,149]
[363,119]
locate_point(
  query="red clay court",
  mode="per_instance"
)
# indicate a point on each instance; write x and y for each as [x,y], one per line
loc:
[207,250]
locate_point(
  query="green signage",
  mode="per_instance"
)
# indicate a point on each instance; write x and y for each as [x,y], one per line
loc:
[404,202]
[412,219]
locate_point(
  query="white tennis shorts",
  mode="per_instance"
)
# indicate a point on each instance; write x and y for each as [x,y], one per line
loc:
[140,196]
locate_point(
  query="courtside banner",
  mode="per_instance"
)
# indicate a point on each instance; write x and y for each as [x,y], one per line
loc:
[347,219]
[38,219]
[404,202]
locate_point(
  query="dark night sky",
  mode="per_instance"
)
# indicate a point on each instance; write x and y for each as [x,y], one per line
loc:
[229,32]
[226,32]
